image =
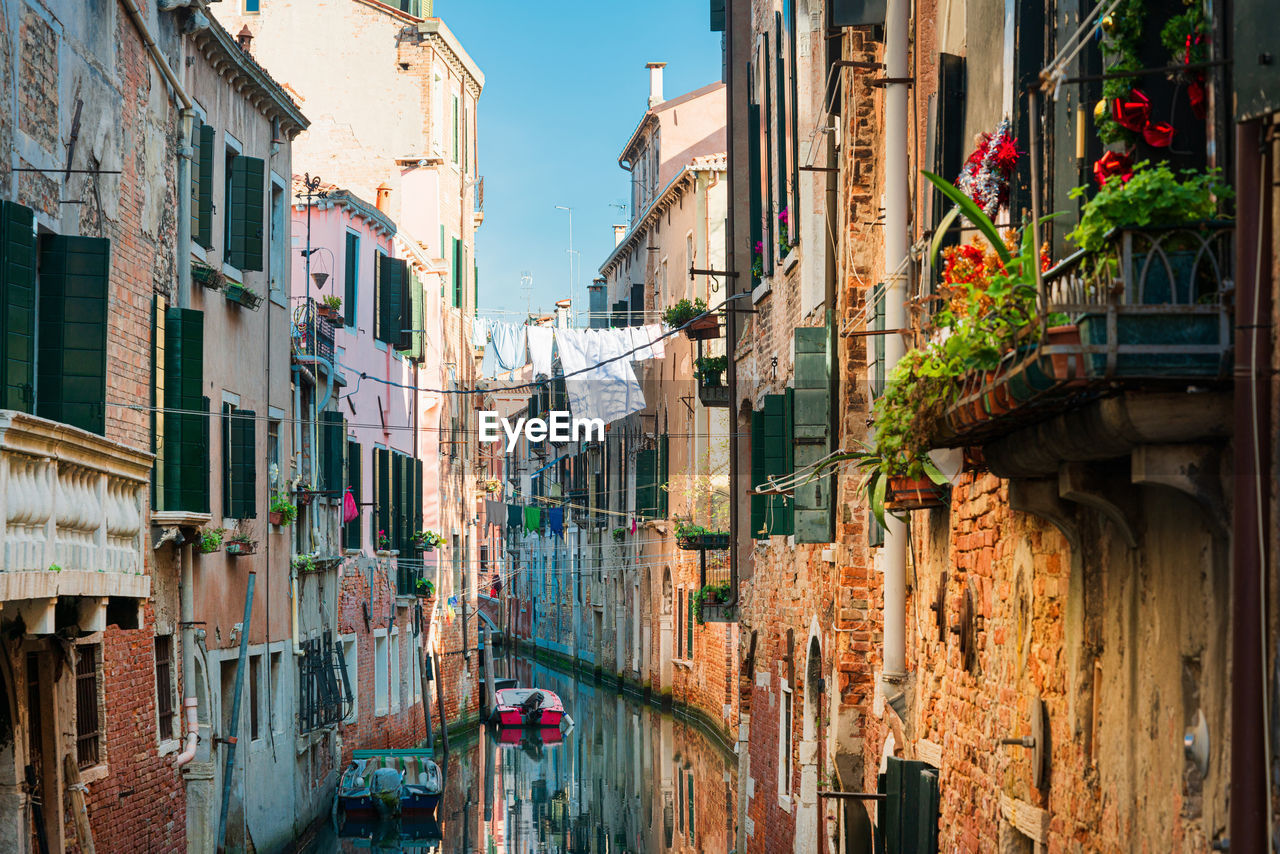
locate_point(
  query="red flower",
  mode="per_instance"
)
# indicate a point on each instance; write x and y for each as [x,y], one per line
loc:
[1112,165]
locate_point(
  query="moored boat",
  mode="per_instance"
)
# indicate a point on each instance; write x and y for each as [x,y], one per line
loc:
[380,783]
[527,707]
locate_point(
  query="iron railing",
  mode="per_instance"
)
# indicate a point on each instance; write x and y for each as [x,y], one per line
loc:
[325,695]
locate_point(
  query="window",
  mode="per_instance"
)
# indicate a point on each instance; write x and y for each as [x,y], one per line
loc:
[456,272]
[165,686]
[466,144]
[88,708]
[279,238]
[243,203]
[277,689]
[255,692]
[415,666]
[454,143]
[351,530]
[273,452]
[679,624]
[381,673]
[202,143]
[252,6]
[389,290]
[397,649]
[784,744]
[181,428]
[351,277]
[689,630]
[239,468]
[771,456]
[437,117]
[351,667]
[688,790]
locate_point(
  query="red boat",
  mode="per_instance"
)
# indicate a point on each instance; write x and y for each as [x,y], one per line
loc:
[528,707]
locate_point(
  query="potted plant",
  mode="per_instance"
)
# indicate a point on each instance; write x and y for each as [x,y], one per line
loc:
[492,485]
[710,369]
[784,241]
[330,307]
[424,588]
[691,537]
[209,540]
[711,594]
[304,563]
[282,510]
[427,541]
[305,493]
[691,316]
[619,534]
[240,544]
[384,542]
[206,276]
[243,295]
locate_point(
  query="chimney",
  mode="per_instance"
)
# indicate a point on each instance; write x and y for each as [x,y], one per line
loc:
[384,198]
[245,37]
[562,313]
[619,231]
[655,83]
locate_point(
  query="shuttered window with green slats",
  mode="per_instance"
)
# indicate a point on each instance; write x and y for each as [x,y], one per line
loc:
[664,477]
[333,438]
[351,533]
[457,272]
[245,210]
[389,287]
[771,456]
[717,16]
[647,483]
[754,185]
[781,84]
[239,463]
[17,307]
[72,356]
[812,433]
[382,495]
[351,279]
[183,427]
[202,187]
[878,325]
[908,817]
[411,342]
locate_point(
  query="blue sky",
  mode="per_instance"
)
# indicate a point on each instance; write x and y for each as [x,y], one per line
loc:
[565,85]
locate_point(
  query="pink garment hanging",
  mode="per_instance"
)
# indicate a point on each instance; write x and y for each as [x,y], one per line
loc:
[350,512]
[633,526]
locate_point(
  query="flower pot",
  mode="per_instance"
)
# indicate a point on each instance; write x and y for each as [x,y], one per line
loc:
[236,549]
[325,311]
[914,493]
[703,328]
[1068,367]
[275,517]
[305,497]
[711,379]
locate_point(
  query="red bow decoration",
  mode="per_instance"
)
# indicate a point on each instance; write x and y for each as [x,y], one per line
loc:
[1195,89]
[1111,165]
[1135,114]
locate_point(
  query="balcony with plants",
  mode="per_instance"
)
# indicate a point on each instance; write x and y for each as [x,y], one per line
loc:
[1025,358]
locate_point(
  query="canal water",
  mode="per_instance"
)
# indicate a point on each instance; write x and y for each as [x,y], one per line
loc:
[626,777]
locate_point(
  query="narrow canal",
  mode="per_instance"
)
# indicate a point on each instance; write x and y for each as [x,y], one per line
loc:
[626,777]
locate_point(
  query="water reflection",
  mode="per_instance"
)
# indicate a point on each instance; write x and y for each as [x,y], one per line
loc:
[626,778]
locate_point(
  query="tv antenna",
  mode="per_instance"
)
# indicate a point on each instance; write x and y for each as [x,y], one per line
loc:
[526,285]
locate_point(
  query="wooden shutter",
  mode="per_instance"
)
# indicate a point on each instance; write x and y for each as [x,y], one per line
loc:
[778,459]
[689,638]
[246,208]
[754,186]
[17,307]
[410,299]
[909,822]
[766,162]
[197,129]
[717,16]
[382,489]
[878,324]
[814,502]
[73,330]
[350,279]
[664,477]
[946,143]
[855,13]
[333,435]
[456,273]
[244,471]
[646,483]
[186,446]
[759,503]
[202,179]
[637,304]
[415,320]
[351,530]
[390,296]
[619,314]
[782,165]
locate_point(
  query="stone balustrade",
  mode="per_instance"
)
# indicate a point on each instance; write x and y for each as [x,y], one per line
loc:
[73,514]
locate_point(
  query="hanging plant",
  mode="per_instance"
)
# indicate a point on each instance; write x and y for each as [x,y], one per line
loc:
[619,534]
[304,563]
[683,311]
[427,540]
[282,510]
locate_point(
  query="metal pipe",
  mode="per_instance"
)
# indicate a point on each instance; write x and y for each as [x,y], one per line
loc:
[1250,793]
[896,171]
[230,737]
[187,609]
[193,733]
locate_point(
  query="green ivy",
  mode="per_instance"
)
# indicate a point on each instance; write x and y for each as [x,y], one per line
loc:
[718,594]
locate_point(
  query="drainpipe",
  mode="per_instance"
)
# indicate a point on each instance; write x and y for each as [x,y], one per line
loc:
[896,173]
[229,737]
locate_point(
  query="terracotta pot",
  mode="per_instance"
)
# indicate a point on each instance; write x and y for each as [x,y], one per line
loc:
[1068,368]
[914,493]
[275,517]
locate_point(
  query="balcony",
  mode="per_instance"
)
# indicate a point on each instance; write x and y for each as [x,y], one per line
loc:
[1150,315]
[312,332]
[72,511]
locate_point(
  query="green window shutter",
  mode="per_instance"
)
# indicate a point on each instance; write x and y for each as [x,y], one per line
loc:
[410,299]
[186,447]
[877,324]
[17,307]
[814,503]
[910,816]
[244,470]
[717,16]
[246,211]
[945,147]
[382,486]
[333,436]
[202,178]
[417,347]
[454,148]
[664,477]
[928,798]
[73,330]
[197,128]
[475,287]
[689,627]
[455,272]
[759,503]
[646,485]
[390,296]
[780,166]
[777,460]
[754,185]
[351,278]
[766,164]
[226,460]
[351,530]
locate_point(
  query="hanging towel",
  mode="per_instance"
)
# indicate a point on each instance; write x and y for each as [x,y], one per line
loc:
[507,349]
[495,512]
[633,525]
[479,332]
[555,518]
[532,520]
[596,389]
[515,517]
[540,341]
[647,341]
[350,512]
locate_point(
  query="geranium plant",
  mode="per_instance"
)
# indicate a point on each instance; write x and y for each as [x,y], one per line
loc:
[710,368]
[384,542]
[684,311]
[280,504]
[784,239]
[427,540]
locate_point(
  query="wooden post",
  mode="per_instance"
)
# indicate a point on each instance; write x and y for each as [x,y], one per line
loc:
[84,833]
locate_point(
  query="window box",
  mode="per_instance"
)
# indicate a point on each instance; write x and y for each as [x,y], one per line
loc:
[703,328]
[238,294]
[910,493]
[241,548]
[207,277]
[713,395]
[710,541]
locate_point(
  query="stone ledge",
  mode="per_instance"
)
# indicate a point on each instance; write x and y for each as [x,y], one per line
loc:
[46,584]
